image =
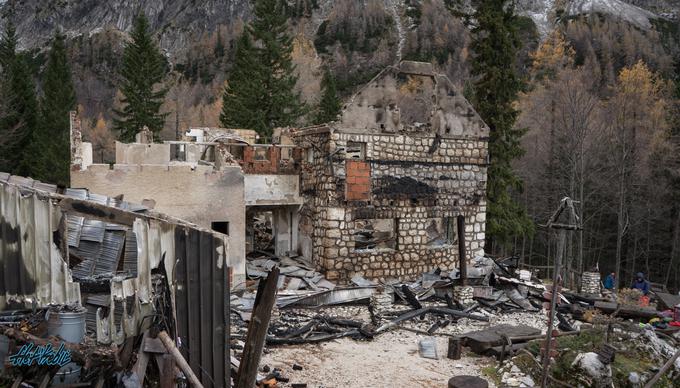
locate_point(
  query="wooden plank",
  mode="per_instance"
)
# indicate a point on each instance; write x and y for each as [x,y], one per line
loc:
[483,340]
[257,330]
[166,369]
[181,362]
[205,312]
[154,345]
[668,301]
[626,311]
[142,360]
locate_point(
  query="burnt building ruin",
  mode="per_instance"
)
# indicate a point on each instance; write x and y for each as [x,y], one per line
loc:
[375,193]
[383,185]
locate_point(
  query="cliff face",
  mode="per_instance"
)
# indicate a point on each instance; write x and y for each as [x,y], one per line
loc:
[356,38]
[178,22]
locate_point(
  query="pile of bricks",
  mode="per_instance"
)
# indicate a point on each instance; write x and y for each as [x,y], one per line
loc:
[590,283]
[464,295]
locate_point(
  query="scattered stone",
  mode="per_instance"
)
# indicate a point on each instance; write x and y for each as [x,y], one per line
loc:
[297,367]
[464,295]
[600,374]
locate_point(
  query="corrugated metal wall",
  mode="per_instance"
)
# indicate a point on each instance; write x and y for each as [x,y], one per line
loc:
[194,259]
[31,267]
[202,305]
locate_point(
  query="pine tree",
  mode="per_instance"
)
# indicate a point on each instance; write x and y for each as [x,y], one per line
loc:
[142,70]
[244,95]
[495,46]
[19,120]
[59,98]
[330,104]
[269,80]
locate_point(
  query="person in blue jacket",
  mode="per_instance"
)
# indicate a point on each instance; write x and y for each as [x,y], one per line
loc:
[610,281]
[640,283]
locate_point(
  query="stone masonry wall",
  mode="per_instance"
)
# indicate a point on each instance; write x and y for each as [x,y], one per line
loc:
[417,180]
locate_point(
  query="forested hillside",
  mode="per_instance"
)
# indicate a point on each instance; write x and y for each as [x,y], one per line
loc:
[600,82]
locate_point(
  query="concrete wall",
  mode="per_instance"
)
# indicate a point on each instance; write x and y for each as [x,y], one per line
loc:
[200,195]
[140,153]
[270,189]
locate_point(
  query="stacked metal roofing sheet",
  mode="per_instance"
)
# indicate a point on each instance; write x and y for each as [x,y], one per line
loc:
[101,245]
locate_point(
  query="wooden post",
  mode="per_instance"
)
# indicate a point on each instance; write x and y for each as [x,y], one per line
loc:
[663,370]
[553,301]
[179,360]
[455,348]
[461,250]
[257,330]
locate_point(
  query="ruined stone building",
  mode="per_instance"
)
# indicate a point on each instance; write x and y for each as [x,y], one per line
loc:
[382,185]
[375,193]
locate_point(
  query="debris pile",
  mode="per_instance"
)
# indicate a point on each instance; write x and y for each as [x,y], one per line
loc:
[499,313]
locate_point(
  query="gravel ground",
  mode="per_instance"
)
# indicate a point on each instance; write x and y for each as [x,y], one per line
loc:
[391,359]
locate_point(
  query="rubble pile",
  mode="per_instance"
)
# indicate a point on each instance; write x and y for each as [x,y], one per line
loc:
[498,313]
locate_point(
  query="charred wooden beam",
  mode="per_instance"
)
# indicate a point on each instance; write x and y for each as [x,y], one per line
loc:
[179,359]
[461,249]
[257,330]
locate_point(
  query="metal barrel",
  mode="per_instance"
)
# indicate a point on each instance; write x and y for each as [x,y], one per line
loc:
[69,325]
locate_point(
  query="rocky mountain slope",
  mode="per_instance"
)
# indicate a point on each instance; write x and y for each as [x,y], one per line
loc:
[356,38]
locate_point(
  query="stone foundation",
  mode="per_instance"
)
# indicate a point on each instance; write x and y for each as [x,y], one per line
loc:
[590,283]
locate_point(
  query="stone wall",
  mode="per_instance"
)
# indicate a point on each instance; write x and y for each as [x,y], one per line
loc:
[420,181]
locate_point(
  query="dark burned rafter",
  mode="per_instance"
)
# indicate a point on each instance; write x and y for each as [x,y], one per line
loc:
[574,220]
[97,211]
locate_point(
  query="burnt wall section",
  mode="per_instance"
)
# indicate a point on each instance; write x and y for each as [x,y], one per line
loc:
[418,184]
[32,267]
[192,262]
[198,194]
[411,98]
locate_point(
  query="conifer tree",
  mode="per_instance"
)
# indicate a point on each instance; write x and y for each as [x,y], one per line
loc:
[330,104]
[59,97]
[267,52]
[143,69]
[495,46]
[19,120]
[243,98]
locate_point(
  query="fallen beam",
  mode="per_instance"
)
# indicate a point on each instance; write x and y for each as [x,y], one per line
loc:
[179,360]
[624,311]
[257,330]
[663,370]
[440,310]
